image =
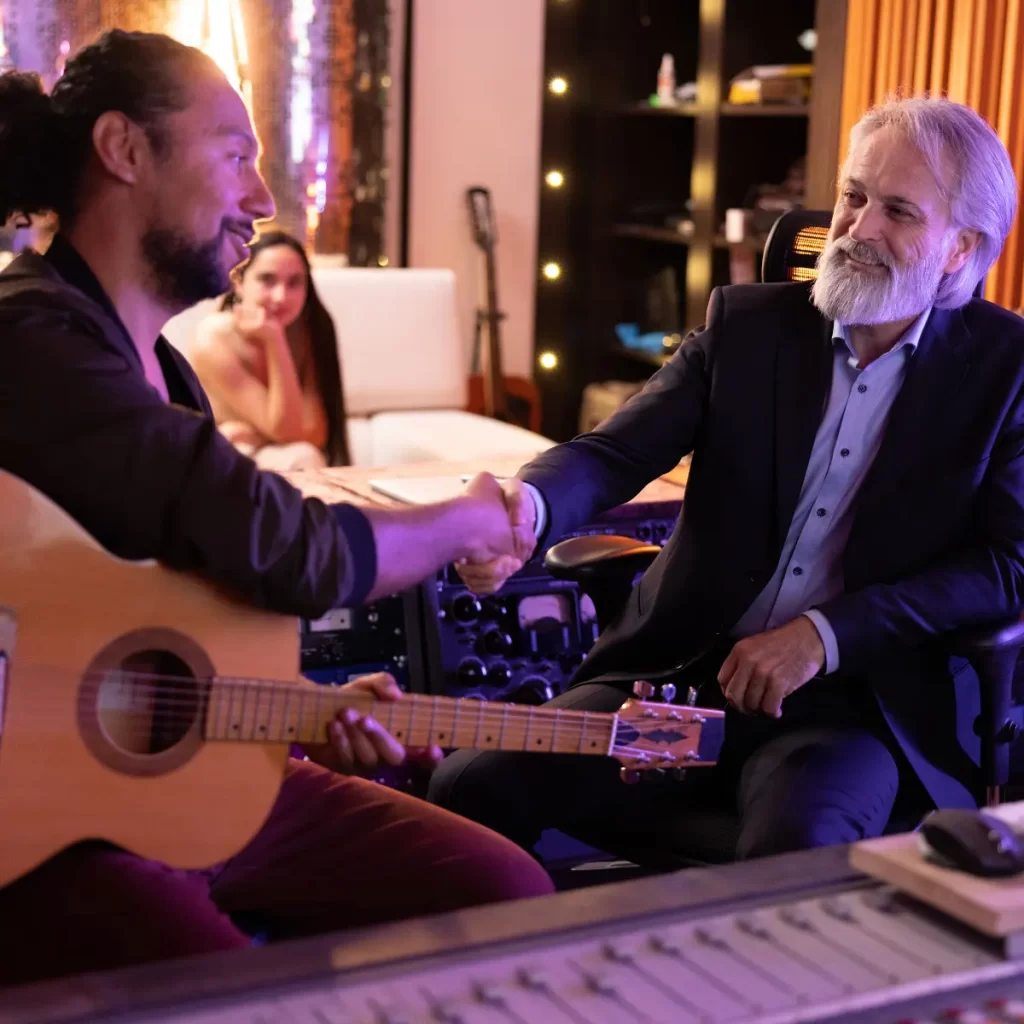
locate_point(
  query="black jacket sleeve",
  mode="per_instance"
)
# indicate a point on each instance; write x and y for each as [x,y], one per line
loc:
[148,480]
[638,443]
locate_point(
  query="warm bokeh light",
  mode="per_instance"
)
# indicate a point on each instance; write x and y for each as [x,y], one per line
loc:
[548,360]
[555,179]
[552,271]
[216,28]
[559,86]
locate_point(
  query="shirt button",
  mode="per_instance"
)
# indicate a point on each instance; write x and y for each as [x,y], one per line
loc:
[844,452]
[798,571]
[820,513]
[862,388]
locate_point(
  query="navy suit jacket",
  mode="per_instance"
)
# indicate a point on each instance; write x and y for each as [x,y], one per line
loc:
[938,537]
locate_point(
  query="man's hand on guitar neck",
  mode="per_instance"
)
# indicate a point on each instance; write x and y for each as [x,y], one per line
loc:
[358,743]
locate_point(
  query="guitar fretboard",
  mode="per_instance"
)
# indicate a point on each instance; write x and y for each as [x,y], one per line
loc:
[261,712]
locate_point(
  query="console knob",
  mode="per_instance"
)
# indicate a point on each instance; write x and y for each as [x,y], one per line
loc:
[495,642]
[534,690]
[465,608]
[495,609]
[471,672]
[499,673]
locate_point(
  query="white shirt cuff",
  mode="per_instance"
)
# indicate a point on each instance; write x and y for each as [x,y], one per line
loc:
[541,507]
[828,639]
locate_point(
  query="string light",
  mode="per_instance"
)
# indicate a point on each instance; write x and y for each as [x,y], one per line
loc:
[559,86]
[554,179]
[552,271]
[548,360]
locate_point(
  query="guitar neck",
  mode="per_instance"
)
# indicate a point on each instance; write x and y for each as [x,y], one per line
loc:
[264,712]
[494,384]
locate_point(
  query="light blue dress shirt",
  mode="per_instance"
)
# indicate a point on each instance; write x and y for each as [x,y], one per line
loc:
[810,569]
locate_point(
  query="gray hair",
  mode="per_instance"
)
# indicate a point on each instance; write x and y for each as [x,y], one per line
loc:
[983,193]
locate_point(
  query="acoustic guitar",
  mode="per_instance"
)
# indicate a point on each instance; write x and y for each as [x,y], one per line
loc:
[492,392]
[150,709]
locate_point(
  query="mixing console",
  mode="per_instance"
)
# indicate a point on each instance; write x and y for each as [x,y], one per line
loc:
[720,947]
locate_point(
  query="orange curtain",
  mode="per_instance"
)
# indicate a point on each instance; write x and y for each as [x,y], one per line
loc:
[969,50]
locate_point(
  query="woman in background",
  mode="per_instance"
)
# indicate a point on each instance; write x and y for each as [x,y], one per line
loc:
[269,361]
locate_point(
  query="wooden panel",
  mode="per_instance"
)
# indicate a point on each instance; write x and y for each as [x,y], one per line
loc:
[824,122]
[964,13]
[923,44]
[886,46]
[909,37]
[969,50]
[1005,282]
[940,46]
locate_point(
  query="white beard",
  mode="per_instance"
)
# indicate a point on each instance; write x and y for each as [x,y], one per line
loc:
[894,291]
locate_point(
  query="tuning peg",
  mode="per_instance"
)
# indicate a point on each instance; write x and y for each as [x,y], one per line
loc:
[642,689]
[677,774]
[668,693]
[691,696]
[630,776]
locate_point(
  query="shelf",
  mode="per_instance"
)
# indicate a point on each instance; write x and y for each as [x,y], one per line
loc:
[755,243]
[725,109]
[764,110]
[643,107]
[651,233]
[639,356]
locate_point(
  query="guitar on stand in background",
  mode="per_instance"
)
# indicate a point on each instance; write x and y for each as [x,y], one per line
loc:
[492,393]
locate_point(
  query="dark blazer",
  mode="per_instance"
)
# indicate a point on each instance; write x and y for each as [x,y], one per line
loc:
[80,423]
[937,541]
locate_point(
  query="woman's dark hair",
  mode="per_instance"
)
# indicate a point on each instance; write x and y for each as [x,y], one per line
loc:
[323,343]
[47,140]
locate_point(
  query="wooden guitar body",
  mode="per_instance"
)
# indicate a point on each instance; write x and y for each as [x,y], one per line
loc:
[67,770]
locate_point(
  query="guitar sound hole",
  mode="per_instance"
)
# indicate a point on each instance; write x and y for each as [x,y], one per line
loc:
[148,703]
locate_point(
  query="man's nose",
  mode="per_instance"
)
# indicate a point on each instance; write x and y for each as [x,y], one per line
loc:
[866,224]
[259,203]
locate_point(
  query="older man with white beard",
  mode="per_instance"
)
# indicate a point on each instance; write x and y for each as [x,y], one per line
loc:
[855,493]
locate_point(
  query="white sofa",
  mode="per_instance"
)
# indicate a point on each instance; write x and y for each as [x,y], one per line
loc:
[403,368]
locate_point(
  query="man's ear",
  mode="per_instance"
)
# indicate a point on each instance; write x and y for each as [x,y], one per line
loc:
[967,240]
[121,145]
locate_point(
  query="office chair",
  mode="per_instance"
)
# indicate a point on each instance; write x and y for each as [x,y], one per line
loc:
[606,567]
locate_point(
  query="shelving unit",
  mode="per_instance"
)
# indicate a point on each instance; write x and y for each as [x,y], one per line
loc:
[631,166]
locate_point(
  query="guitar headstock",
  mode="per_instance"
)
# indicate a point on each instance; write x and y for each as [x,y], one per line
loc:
[481,216]
[650,735]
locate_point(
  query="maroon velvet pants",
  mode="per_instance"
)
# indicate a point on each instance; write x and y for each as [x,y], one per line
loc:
[336,852]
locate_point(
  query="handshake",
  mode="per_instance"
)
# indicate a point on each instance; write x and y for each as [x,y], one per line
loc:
[502,519]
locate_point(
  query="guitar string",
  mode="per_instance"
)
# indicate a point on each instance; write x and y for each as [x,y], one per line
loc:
[190,694]
[590,737]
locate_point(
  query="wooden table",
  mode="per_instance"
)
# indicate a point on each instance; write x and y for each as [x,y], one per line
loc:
[351,484]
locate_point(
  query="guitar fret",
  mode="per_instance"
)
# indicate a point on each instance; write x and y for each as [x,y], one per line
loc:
[301,735]
[257,712]
[283,736]
[320,723]
[433,715]
[479,726]
[583,732]
[268,724]
[455,725]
